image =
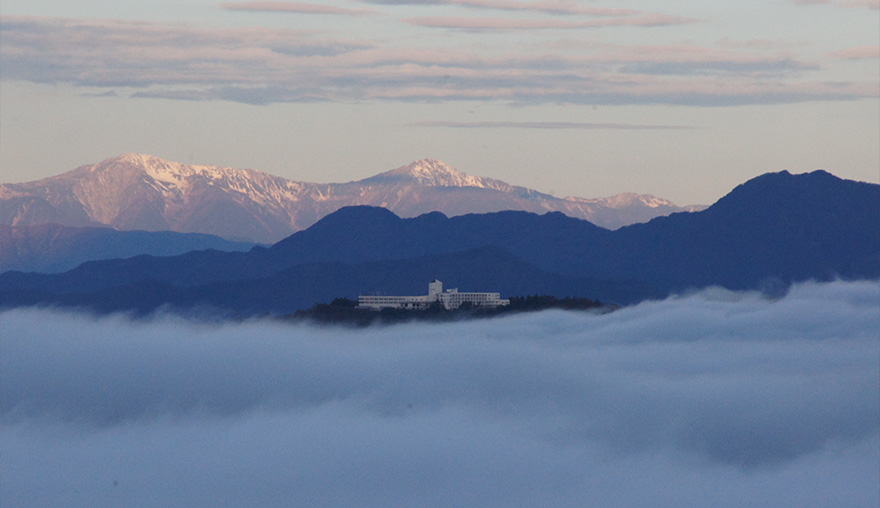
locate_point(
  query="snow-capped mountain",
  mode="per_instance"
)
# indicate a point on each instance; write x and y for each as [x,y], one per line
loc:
[135,191]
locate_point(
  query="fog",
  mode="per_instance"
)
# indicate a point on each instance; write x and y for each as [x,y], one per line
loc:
[710,399]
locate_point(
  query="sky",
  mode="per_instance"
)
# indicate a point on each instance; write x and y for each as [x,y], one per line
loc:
[683,100]
[713,399]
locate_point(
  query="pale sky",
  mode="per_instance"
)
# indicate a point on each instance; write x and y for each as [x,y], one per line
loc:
[683,100]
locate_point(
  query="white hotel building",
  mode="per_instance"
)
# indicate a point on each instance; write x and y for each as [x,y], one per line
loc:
[450,299]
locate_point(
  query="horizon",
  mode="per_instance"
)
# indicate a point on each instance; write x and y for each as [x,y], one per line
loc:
[567,98]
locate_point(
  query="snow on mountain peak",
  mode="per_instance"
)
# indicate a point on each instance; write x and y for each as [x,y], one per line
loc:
[435,173]
[626,199]
[630,199]
[175,180]
[139,159]
[168,171]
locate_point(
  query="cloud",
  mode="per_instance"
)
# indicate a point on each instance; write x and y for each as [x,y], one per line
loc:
[264,66]
[710,66]
[714,398]
[493,24]
[545,125]
[864,52]
[108,93]
[547,7]
[480,24]
[294,7]
[870,4]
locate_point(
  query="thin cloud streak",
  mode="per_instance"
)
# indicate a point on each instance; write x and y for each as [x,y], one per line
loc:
[547,7]
[545,125]
[870,4]
[861,53]
[294,7]
[496,24]
[720,397]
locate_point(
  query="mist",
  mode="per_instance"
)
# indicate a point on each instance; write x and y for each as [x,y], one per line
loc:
[710,399]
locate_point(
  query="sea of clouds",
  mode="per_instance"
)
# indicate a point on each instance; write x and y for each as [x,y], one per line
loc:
[711,399]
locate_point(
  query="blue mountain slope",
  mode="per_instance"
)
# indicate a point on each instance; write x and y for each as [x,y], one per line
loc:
[51,248]
[772,230]
[777,226]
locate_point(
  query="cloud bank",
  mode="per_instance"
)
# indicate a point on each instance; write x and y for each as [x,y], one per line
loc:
[717,398]
[263,66]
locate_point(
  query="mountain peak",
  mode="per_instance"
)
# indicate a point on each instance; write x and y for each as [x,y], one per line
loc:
[145,162]
[134,158]
[435,173]
[429,166]
[170,172]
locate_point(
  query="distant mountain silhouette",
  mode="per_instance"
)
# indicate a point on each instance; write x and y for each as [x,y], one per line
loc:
[773,230]
[53,248]
[142,192]
[777,227]
[301,286]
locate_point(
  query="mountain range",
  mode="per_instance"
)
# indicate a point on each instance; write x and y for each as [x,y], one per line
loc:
[142,192]
[765,234]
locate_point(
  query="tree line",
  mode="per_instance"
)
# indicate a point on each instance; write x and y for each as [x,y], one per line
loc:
[346,311]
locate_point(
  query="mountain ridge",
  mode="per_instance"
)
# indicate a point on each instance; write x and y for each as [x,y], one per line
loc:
[764,235]
[143,192]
